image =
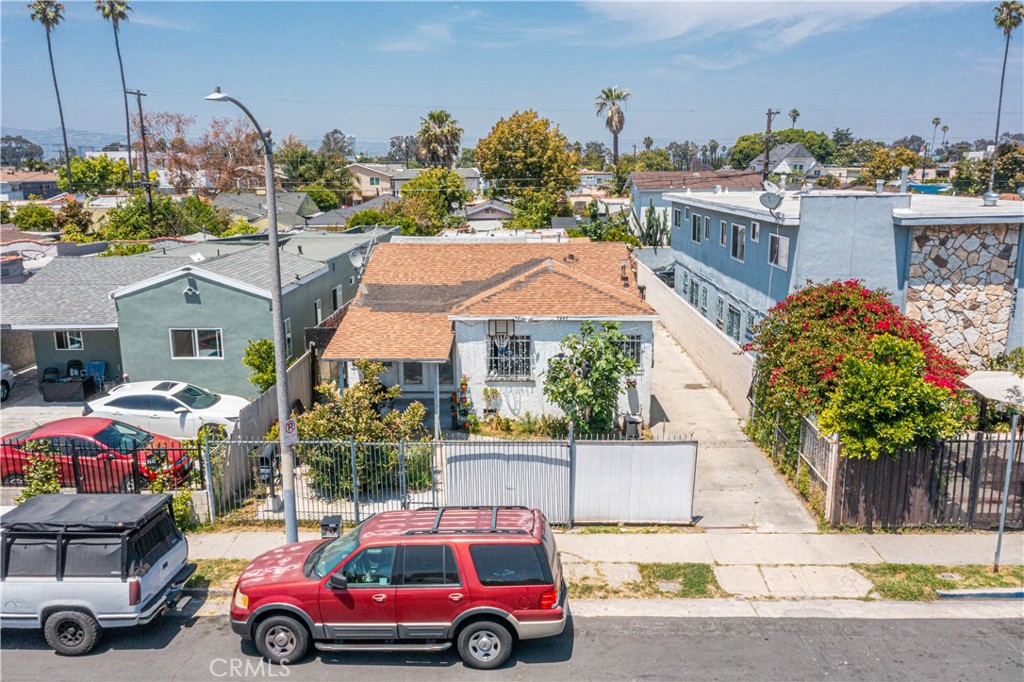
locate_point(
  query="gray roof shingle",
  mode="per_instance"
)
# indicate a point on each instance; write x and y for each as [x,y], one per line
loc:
[252,267]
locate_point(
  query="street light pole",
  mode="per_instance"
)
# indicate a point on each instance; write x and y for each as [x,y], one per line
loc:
[280,367]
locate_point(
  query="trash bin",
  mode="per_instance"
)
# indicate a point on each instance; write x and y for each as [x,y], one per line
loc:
[633,424]
[330,526]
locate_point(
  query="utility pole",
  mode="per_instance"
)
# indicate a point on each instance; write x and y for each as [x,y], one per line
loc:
[145,158]
[772,113]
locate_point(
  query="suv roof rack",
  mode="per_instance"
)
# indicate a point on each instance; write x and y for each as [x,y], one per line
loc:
[435,529]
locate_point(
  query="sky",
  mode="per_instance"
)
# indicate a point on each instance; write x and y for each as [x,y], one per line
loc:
[695,70]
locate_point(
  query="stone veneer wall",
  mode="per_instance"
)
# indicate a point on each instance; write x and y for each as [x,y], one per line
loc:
[961,287]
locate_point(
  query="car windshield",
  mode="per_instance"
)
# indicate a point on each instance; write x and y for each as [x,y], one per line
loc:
[196,398]
[119,436]
[336,552]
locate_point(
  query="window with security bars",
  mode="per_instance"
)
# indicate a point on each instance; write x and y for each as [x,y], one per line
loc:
[632,346]
[510,361]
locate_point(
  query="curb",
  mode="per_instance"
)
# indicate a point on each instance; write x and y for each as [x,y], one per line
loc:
[796,608]
[983,593]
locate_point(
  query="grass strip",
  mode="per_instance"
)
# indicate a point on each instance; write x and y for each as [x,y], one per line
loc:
[916,582]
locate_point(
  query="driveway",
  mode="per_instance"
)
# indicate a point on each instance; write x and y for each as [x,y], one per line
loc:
[737,487]
[26,409]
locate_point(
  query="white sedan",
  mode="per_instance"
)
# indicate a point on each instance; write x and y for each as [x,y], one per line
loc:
[167,408]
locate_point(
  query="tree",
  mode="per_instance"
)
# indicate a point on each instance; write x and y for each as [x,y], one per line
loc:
[168,147]
[608,103]
[357,413]
[299,165]
[33,217]
[745,149]
[913,142]
[74,222]
[96,175]
[885,402]
[857,153]
[400,149]
[49,14]
[115,12]
[524,152]
[5,213]
[336,144]
[681,154]
[15,150]
[648,143]
[391,214]
[432,195]
[794,114]
[259,358]
[534,209]
[130,221]
[1009,15]
[239,226]
[199,216]
[586,378]
[885,164]
[971,176]
[325,199]
[841,138]
[439,139]
[594,156]
[944,129]
[231,153]
[936,122]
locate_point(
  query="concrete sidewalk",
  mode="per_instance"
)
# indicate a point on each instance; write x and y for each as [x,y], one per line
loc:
[724,549]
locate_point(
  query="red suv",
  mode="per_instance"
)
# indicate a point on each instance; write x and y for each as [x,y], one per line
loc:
[481,577]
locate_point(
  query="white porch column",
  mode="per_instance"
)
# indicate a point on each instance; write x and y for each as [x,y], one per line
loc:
[437,401]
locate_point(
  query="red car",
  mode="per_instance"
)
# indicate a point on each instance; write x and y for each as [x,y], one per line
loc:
[103,449]
[482,578]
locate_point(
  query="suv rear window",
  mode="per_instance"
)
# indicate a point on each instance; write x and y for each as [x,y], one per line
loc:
[92,557]
[515,564]
[151,543]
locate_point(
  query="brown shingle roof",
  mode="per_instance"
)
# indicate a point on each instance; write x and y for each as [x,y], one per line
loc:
[409,291]
[732,180]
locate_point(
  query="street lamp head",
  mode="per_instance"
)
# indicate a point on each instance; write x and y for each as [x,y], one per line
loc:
[217,95]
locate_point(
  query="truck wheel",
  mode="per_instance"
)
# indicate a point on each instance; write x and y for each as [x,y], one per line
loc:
[282,640]
[71,633]
[485,645]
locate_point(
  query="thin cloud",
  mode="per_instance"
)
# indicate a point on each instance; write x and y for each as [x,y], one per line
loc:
[425,38]
[155,21]
[730,60]
[780,24]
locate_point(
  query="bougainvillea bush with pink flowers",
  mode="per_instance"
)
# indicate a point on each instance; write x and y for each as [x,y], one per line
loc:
[816,357]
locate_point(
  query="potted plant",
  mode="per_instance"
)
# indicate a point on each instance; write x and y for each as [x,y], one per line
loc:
[491,398]
[464,384]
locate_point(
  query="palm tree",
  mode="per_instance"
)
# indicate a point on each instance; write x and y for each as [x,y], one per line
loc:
[115,12]
[608,101]
[1009,15]
[794,114]
[944,129]
[439,139]
[936,122]
[648,143]
[713,148]
[49,14]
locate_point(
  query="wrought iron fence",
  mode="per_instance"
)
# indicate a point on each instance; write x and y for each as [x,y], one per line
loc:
[90,467]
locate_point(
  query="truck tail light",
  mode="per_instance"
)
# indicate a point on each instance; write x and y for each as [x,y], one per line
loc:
[134,593]
[549,599]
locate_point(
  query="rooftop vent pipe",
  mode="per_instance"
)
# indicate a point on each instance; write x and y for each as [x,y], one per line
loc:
[878,186]
[904,173]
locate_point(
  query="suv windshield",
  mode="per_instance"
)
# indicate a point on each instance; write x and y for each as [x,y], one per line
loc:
[196,398]
[119,436]
[337,551]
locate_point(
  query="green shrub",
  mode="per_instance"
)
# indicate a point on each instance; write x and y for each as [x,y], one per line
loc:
[42,473]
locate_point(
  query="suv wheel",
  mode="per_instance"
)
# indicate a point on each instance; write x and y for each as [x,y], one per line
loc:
[71,633]
[282,640]
[485,645]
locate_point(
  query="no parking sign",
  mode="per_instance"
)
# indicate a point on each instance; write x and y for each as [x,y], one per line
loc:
[291,432]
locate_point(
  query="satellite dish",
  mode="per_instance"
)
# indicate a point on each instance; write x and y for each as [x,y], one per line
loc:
[771,187]
[770,200]
[357,258]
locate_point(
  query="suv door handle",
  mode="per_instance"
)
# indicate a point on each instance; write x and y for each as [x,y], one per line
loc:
[380,598]
[455,597]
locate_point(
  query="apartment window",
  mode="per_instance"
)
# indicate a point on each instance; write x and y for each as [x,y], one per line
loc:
[68,341]
[288,335]
[318,311]
[686,213]
[632,346]
[337,298]
[446,373]
[202,344]
[694,294]
[677,217]
[732,323]
[703,300]
[707,227]
[686,283]
[511,361]
[412,372]
[695,229]
[739,238]
[374,182]
[720,313]
[778,251]
[755,231]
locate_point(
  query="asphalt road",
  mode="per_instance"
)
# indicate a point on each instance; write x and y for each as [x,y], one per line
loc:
[747,649]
